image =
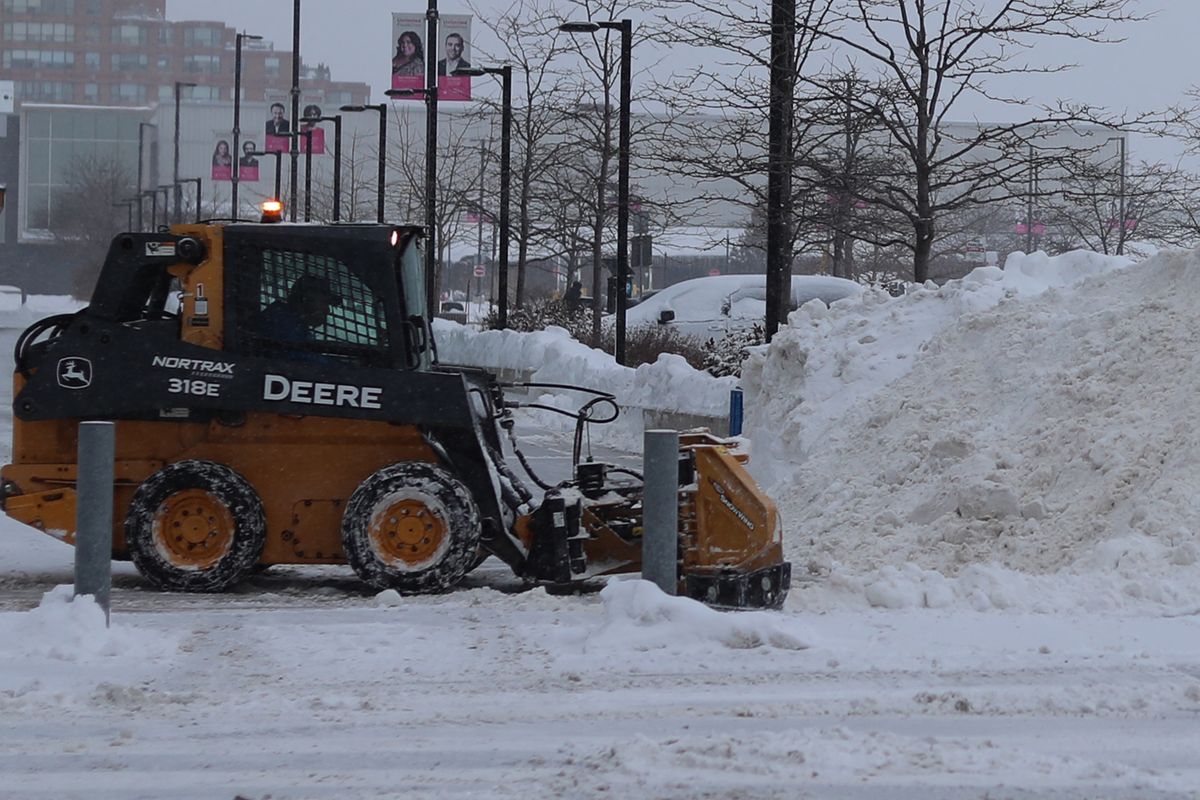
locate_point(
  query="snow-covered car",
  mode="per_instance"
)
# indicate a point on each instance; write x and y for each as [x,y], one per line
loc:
[712,306]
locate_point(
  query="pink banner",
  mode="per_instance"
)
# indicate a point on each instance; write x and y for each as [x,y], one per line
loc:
[277,144]
[248,170]
[222,161]
[318,141]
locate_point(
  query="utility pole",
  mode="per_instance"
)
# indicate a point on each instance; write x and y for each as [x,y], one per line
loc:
[295,143]
[1121,190]
[482,168]
[779,164]
[431,135]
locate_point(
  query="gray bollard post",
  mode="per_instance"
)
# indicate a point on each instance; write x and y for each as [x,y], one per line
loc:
[93,512]
[660,509]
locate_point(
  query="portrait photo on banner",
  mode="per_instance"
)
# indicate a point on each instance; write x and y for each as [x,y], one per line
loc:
[248,162]
[222,161]
[452,51]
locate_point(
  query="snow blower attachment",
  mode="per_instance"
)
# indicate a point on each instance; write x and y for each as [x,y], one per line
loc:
[278,401]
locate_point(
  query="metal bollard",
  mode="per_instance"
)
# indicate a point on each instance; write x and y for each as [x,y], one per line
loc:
[93,512]
[660,509]
[735,412]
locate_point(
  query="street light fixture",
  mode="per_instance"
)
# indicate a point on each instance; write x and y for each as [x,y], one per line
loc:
[278,154]
[382,109]
[175,172]
[237,117]
[336,119]
[505,73]
[129,203]
[625,26]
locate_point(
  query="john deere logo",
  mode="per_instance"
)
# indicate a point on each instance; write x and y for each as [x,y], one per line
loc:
[74,373]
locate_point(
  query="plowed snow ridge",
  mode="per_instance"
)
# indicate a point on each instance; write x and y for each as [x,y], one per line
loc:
[957,444]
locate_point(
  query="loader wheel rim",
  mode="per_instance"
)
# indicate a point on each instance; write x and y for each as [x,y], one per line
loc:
[409,530]
[193,529]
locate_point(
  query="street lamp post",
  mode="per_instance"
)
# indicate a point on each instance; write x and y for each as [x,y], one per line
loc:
[278,154]
[237,118]
[167,190]
[430,94]
[1120,196]
[153,195]
[1029,204]
[198,191]
[307,134]
[505,73]
[141,170]
[382,109]
[295,143]
[128,207]
[175,172]
[336,119]
[625,26]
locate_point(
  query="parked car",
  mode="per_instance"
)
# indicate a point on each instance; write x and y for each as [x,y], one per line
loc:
[706,307]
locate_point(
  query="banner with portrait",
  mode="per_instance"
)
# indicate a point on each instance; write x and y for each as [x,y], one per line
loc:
[453,51]
[222,161]
[278,128]
[248,162]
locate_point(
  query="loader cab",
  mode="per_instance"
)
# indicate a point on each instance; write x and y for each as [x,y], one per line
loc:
[350,294]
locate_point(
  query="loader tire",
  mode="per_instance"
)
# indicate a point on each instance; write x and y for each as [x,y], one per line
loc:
[412,527]
[195,526]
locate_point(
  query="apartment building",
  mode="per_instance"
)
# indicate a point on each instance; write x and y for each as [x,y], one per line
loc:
[127,53]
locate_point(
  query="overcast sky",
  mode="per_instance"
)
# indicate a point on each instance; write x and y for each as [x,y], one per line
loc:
[1151,69]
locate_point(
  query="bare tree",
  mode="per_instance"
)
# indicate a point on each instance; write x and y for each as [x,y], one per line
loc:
[529,44]
[458,178]
[715,132]
[358,192]
[87,216]
[931,56]
[1102,209]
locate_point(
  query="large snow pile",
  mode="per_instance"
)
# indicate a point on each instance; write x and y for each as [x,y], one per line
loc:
[960,442]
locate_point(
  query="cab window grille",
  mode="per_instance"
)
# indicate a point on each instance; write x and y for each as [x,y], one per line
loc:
[356,316]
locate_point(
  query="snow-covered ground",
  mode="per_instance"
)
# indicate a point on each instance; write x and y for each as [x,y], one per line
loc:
[989,492]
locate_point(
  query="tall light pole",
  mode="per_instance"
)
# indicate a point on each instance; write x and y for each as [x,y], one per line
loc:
[779,163]
[505,73]
[431,218]
[198,191]
[175,172]
[625,26]
[237,118]
[128,207]
[382,109]
[1120,196]
[295,143]
[153,195]
[167,189]
[141,170]
[336,119]
[1029,202]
